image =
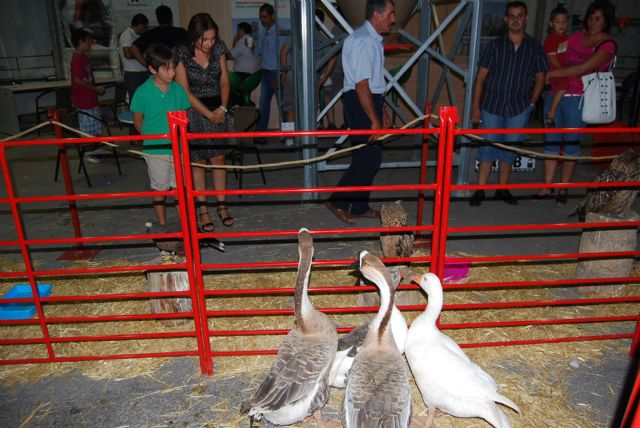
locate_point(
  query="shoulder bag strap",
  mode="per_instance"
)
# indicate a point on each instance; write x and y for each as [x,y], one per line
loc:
[615,56]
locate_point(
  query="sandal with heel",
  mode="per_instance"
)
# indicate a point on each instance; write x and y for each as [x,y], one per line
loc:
[227,221]
[210,242]
[206,227]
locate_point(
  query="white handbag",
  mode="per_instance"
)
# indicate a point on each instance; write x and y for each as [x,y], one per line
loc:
[598,101]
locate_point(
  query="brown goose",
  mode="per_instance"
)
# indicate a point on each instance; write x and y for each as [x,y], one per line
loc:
[297,384]
[378,393]
[350,344]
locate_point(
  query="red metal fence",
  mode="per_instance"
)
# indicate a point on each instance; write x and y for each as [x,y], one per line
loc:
[201,318]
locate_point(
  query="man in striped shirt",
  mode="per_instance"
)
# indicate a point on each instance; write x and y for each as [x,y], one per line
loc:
[503,96]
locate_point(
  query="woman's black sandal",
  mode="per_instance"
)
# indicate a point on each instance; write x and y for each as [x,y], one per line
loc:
[206,227]
[210,242]
[226,221]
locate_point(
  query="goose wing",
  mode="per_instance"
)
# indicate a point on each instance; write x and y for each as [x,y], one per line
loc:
[300,369]
[465,380]
[354,338]
[378,392]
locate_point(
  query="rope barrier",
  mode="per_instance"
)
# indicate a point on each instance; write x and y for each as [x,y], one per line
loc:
[320,158]
[531,153]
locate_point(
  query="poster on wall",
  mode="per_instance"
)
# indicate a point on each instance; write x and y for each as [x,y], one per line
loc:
[106,19]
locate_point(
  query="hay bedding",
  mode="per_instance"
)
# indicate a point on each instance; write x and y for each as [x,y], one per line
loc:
[544,400]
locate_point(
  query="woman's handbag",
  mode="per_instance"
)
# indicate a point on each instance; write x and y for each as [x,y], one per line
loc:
[599,99]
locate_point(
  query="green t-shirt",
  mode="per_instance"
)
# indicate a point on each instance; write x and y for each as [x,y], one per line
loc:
[154,105]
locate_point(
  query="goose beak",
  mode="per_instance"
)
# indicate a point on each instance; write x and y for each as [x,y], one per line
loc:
[416,278]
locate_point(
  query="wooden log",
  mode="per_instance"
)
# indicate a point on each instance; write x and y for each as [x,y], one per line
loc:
[169,281]
[607,240]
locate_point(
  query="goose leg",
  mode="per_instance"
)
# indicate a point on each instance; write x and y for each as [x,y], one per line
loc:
[431,417]
[317,415]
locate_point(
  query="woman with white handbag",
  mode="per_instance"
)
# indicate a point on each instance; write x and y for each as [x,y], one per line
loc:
[591,50]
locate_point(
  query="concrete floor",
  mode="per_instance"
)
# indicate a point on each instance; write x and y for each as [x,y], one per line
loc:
[70,399]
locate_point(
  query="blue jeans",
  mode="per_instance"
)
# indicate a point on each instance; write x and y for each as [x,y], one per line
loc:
[488,152]
[267,92]
[568,115]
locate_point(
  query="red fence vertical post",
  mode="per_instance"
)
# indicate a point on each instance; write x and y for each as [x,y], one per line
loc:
[184,186]
[635,342]
[66,174]
[632,415]
[448,120]
[24,249]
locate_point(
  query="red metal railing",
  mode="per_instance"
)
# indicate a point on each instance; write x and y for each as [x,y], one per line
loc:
[204,328]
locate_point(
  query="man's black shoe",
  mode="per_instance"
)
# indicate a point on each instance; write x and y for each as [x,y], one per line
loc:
[506,196]
[477,198]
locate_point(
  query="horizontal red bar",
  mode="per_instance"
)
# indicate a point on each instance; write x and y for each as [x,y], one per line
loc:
[101,357]
[68,339]
[515,323]
[589,130]
[462,345]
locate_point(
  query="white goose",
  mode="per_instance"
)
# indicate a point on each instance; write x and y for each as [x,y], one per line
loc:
[297,384]
[447,378]
[350,344]
[378,393]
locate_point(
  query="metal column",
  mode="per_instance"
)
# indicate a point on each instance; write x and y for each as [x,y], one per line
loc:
[303,14]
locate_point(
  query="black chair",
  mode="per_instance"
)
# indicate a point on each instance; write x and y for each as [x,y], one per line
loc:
[244,120]
[62,103]
[82,149]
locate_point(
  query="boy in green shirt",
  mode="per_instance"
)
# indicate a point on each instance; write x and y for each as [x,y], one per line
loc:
[150,104]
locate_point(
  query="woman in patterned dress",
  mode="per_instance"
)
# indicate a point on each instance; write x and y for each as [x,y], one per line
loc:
[202,71]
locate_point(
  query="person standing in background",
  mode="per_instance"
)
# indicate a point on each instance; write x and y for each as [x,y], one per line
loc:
[135,74]
[164,34]
[268,49]
[245,61]
[364,86]
[591,49]
[502,95]
[84,91]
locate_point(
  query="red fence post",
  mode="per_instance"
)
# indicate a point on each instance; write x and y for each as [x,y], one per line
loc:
[448,120]
[635,342]
[632,415]
[178,131]
[66,174]
[24,249]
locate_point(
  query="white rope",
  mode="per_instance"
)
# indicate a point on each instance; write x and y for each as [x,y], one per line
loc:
[320,158]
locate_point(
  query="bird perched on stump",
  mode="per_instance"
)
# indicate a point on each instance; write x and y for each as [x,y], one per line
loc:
[612,200]
[395,244]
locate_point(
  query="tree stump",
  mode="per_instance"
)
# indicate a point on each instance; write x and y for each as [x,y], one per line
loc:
[606,240]
[169,281]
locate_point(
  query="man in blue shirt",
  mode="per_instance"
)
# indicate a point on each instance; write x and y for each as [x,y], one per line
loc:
[268,49]
[364,86]
[507,67]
